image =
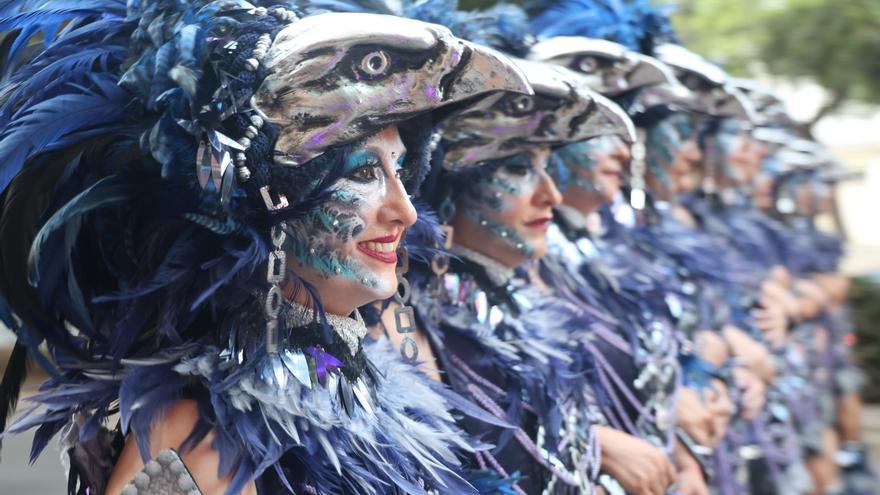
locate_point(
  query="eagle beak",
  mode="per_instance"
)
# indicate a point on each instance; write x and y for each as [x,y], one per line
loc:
[483,70]
[608,119]
[735,105]
[647,71]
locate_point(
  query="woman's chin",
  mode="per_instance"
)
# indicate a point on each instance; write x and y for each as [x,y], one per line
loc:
[539,249]
[385,287]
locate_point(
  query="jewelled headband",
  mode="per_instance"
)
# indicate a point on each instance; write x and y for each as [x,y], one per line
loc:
[563,110]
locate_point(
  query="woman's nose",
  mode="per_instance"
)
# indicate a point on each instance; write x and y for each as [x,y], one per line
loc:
[397,207]
[547,194]
[692,151]
[621,151]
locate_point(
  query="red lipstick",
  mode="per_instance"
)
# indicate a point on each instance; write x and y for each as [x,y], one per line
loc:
[385,256]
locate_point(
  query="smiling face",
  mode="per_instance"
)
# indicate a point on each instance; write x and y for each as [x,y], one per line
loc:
[346,247]
[505,214]
[593,171]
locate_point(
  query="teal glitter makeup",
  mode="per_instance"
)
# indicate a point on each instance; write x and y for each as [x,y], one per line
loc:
[360,158]
[727,138]
[570,162]
[338,220]
[509,178]
[663,141]
[500,230]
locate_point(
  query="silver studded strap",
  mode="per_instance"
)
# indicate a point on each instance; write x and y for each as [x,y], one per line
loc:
[164,475]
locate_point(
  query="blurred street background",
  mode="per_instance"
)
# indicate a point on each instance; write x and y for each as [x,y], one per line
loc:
[823,58]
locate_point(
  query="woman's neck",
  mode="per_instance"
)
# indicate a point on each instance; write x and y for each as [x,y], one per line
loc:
[497,272]
[351,329]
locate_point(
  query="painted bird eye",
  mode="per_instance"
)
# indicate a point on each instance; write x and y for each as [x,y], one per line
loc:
[375,63]
[588,65]
[522,104]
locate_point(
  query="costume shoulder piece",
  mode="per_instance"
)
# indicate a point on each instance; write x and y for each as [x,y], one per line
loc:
[152,169]
[498,350]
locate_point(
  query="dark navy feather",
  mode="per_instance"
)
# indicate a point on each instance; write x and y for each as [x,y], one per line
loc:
[635,24]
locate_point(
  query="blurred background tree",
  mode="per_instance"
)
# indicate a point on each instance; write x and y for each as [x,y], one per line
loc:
[863,297]
[834,43]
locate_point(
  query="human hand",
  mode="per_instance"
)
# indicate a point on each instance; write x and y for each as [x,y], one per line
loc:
[641,468]
[711,347]
[750,353]
[773,322]
[694,417]
[717,400]
[689,478]
[691,482]
[753,392]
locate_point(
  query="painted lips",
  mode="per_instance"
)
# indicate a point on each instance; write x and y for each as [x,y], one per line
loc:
[540,224]
[383,249]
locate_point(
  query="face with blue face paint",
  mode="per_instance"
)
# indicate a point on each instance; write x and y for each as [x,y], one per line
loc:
[505,213]
[590,172]
[346,246]
[672,157]
[738,156]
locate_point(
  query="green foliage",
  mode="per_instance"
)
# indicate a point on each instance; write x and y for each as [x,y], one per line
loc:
[728,33]
[834,42]
[865,301]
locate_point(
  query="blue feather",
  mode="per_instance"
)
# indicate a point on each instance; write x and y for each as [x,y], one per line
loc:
[37,127]
[48,79]
[104,193]
[635,24]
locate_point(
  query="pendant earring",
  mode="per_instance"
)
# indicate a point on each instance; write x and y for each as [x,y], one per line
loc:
[404,317]
[275,273]
[637,196]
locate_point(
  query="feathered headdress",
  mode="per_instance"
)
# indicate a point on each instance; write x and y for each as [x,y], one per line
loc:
[635,24]
[135,203]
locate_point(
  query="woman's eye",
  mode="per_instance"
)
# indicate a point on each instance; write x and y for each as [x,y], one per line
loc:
[365,173]
[519,164]
[517,169]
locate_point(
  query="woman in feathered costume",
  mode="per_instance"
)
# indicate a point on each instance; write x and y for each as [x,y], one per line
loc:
[506,342]
[501,340]
[731,295]
[814,368]
[638,349]
[196,198]
[623,269]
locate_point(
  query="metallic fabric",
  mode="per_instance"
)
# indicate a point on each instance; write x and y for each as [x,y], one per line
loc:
[164,475]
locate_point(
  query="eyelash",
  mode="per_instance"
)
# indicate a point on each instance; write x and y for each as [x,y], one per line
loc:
[371,165]
[518,170]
